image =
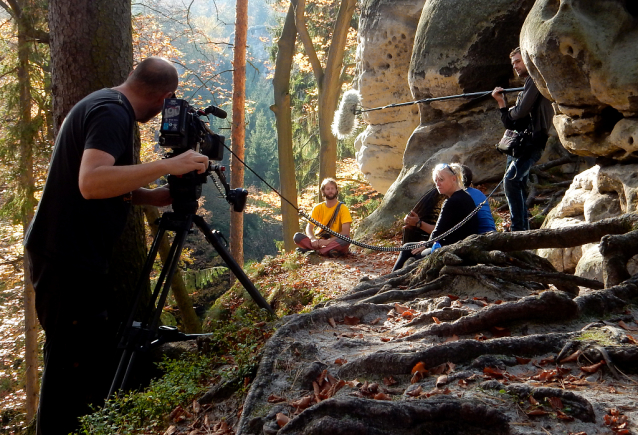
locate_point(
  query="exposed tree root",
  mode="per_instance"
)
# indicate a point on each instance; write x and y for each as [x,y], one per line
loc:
[375,417]
[580,407]
[458,352]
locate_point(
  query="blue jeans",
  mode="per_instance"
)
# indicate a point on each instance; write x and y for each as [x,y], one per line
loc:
[515,184]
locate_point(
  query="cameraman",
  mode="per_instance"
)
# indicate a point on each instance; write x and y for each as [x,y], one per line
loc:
[91,184]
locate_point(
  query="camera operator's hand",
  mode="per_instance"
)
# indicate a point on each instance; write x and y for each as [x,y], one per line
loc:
[187,162]
[158,197]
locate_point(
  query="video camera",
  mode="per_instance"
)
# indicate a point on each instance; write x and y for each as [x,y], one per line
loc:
[182,129]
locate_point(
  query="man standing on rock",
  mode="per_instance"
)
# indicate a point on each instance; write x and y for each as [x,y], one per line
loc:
[532,112]
[332,214]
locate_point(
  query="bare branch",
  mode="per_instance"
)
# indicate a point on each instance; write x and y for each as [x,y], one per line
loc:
[302,31]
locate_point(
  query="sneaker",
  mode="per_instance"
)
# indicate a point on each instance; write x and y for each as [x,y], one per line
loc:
[302,250]
[333,253]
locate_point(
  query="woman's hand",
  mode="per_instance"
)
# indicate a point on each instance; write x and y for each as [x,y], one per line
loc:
[411,219]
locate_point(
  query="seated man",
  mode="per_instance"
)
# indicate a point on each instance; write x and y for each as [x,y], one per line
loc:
[334,215]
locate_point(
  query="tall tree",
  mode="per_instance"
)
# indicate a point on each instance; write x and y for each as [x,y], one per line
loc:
[281,108]
[238,129]
[327,77]
[24,14]
[91,48]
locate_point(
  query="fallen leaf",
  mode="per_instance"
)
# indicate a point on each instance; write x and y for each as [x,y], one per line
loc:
[626,327]
[533,401]
[375,321]
[382,396]
[303,403]
[351,320]
[546,361]
[573,357]
[555,403]
[415,392]
[436,320]
[196,407]
[282,419]
[452,338]
[452,297]
[419,367]
[385,339]
[632,339]
[493,372]
[499,332]
[562,416]
[332,322]
[171,430]
[536,412]
[275,399]
[522,360]
[441,380]
[400,308]
[416,377]
[435,392]
[389,381]
[593,368]
[480,337]
[340,361]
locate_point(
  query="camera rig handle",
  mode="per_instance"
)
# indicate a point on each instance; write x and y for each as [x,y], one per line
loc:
[235,197]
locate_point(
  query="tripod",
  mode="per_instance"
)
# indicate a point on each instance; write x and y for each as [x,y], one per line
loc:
[141,336]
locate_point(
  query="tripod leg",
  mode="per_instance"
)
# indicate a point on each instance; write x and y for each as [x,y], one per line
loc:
[215,240]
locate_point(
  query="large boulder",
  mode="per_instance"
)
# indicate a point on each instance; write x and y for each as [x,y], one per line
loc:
[584,56]
[385,39]
[460,46]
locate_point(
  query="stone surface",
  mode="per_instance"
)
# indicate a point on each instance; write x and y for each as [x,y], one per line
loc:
[385,39]
[595,194]
[584,56]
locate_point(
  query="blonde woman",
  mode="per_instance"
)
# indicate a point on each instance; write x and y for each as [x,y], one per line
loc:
[448,179]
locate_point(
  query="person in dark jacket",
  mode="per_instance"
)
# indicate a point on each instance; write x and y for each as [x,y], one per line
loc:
[449,182]
[532,112]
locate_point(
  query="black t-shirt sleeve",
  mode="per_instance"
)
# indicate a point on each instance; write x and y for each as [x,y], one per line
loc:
[108,129]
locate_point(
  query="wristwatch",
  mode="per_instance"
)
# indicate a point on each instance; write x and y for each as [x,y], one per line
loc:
[418,224]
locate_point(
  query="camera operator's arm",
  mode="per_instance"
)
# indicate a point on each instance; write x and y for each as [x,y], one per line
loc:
[100,179]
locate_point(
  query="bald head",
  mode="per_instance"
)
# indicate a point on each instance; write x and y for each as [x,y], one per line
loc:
[154,76]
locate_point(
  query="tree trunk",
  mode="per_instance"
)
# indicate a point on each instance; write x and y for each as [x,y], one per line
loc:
[327,80]
[281,108]
[92,48]
[238,131]
[27,185]
[330,90]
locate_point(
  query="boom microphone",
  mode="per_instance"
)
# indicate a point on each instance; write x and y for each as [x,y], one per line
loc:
[345,120]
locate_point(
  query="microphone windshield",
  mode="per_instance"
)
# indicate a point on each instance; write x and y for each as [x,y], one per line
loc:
[345,120]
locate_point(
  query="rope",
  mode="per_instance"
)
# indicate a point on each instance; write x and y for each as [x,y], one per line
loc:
[406,247]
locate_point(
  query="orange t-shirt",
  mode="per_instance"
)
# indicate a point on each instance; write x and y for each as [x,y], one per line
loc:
[321,213]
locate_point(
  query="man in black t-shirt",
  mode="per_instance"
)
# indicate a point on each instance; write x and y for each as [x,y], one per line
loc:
[91,183]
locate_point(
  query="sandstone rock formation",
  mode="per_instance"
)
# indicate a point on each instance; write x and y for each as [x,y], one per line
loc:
[460,46]
[385,39]
[596,194]
[584,56]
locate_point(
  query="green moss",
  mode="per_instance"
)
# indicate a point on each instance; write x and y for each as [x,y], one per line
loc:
[597,335]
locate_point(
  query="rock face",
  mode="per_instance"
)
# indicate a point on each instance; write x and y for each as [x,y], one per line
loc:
[386,36]
[584,56]
[596,194]
[455,52]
